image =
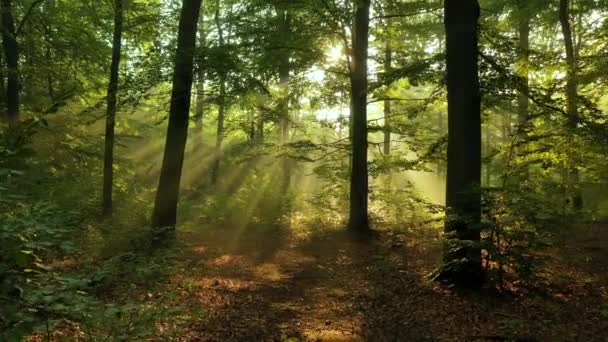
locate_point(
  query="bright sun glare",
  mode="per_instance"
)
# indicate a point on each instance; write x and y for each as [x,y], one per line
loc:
[335,54]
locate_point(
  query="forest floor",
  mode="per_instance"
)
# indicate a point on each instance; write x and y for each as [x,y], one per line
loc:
[279,285]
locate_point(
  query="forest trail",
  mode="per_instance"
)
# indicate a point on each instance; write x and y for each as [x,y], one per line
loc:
[273,285]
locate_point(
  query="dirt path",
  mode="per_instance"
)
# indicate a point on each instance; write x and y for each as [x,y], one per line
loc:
[273,286]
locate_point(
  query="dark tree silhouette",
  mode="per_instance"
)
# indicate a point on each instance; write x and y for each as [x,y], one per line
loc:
[11,54]
[167,195]
[358,218]
[463,198]
[571,100]
[108,161]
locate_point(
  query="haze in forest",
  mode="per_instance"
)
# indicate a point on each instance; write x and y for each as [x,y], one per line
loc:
[303,170]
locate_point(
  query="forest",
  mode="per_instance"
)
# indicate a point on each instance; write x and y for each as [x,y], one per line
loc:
[303,170]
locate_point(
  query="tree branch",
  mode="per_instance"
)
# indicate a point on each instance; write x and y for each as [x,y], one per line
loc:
[27,14]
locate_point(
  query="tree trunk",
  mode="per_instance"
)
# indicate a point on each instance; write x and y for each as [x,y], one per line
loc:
[463,198]
[284,69]
[221,115]
[108,160]
[200,84]
[11,53]
[358,217]
[167,195]
[221,111]
[524,61]
[387,102]
[524,73]
[571,100]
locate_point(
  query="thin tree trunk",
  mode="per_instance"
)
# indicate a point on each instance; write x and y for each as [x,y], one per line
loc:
[463,198]
[11,53]
[221,113]
[200,83]
[524,73]
[524,61]
[284,69]
[358,216]
[387,102]
[108,160]
[167,195]
[571,100]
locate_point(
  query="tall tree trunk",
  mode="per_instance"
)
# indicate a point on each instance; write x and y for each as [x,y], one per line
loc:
[358,216]
[167,195]
[571,100]
[11,53]
[200,82]
[463,198]
[221,111]
[221,115]
[524,61]
[284,69]
[108,160]
[387,102]
[524,67]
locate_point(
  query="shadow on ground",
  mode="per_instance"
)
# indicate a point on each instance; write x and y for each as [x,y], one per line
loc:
[268,284]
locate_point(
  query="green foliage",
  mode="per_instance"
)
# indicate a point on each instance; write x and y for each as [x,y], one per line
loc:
[516,224]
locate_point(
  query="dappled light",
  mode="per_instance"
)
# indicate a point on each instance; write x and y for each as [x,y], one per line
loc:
[298,171]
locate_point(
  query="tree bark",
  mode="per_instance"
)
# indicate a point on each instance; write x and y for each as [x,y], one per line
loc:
[524,61]
[571,100]
[221,112]
[221,116]
[284,78]
[108,160]
[358,216]
[463,198]
[11,54]
[524,73]
[167,195]
[387,102]
[200,83]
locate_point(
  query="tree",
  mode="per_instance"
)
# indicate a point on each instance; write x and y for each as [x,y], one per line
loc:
[463,199]
[221,105]
[387,103]
[571,100]
[11,54]
[167,195]
[524,17]
[284,70]
[200,80]
[108,161]
[358,216]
